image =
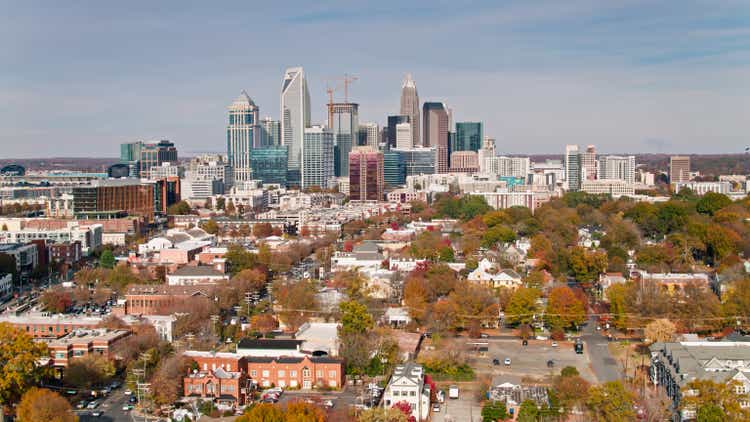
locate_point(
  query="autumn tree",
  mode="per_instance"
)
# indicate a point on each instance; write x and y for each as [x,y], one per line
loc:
[89,370]
[264,323]
[261,230]
[722,395]
[522,306]
[262,412]
[301,411]
[611,402]
[712,202]
[380,414]
[297,301]
[493,411]
[661,329]
[56,300]
[586,265]
[572,390]
[355,319]
[19,368]
[564,309]
[166,383]
[210,226]
[240,259]
[40,404]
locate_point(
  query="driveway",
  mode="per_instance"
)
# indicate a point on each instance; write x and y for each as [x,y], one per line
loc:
[605,367]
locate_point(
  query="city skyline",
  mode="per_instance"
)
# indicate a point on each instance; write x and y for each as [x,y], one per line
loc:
[640,77]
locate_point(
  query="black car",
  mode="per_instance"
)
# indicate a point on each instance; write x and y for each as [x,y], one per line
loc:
[525,343]
[550,363]
[132,400]
[496,361]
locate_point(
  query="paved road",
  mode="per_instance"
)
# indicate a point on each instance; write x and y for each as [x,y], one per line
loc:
[111,409]
[604,365]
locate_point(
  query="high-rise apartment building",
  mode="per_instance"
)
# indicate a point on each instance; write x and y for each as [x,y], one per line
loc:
[295,117]
[506,166]
[573,167]
[317,157]
[243,134]
[464,162]
[207,175]
[394,168]
[679,168]
[270,132]
[366,179]
[153,155]
[436,134]
[469,136]
[410,107]
[589,165]
[269,164]
[369,134]
[345,131]
[616,167]
[487,151]
[404,138]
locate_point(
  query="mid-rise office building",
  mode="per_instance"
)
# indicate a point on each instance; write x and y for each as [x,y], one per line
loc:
[390,130]
[243,134]
[464,162]
[404,137]
[295,117]
[679,169]
[317,157]
[269,164]
[153,155]
[616,167]
[366,179]
[469,136]
[410,108]
[345,132]
[394,168]
[573,167]
[436,134]
[130,155]
[270,132]
[419,160]
[105,198]
[506,166]
[165,170]
[589,165]
[369,134]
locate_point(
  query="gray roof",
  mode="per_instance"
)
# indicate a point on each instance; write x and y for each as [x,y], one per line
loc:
[702,359]
[198,271]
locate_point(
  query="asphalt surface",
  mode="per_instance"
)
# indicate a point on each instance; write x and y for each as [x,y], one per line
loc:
[111,408]
[605,367]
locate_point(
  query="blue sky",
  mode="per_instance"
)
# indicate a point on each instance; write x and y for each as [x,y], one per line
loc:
[79,77]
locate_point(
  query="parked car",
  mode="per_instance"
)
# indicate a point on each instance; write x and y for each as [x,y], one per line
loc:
[525,343]
[82,404]
[93,405]
[436,407]
[133,400]
[484,335]
[554,344]
[507,361]
[496,361]
[128,392]
[127,407]
[96,413]
[550,363]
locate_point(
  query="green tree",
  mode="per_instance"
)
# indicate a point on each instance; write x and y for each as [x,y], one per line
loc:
[719,394]
[528,412]
[240,259]
[710,412]
[210,226]
[88,371]
[712,202]
[611,402]
[355,318]
[498,233]
[522,306]
[19,363]
[107,259]
[493,411]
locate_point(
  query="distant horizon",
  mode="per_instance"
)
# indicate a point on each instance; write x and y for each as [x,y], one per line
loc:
[646,76]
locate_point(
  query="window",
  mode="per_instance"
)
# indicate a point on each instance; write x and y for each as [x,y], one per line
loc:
[305,372]
[331,374]
[253,373]
[266,373]
[413,393]
[396,393]
[319,373]
[740,389]
[78,353]
[60,355]
[293,374]
[281,373]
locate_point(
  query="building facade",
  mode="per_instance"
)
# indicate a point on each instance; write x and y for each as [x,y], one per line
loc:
[679,169]
[366,178]
[390,130]
[464,162]
[270,132]
[369,134]
[616,167]
[394,168]
[295,117]
[419,160]
[317,157]
[573,167]
[345,132]
[269,164]
[469,136]
[153,155]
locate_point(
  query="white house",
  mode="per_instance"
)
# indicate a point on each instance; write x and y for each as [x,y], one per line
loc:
[407,385]
[397,317]
[490,274]
[190,275]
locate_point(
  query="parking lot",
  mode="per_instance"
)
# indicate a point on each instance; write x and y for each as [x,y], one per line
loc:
[530,360]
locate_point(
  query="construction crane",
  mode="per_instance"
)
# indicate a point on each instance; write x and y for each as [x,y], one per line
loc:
[346,81]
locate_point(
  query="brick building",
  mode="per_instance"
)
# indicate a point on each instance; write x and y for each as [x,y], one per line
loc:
[81,343]
[50,327]
[147,299]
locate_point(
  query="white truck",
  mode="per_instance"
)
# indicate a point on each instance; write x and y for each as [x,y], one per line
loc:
[453,392]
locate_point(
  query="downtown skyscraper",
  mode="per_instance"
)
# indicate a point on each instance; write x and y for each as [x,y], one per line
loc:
[295,117]
[436,127]
[345,132]
[243,134]
[410,107]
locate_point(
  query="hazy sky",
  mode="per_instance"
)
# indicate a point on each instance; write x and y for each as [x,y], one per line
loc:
[79,77]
